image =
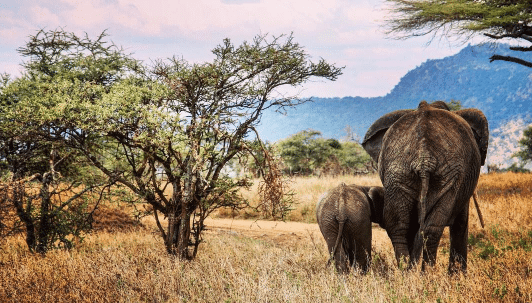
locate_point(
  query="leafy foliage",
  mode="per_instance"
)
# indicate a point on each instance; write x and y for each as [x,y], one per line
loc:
[454,105]
[496,19]
[46,177]
[525,154]
[306,152]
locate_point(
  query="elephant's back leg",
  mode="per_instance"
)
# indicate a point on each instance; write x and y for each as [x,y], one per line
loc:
[400,215]
[459,233]
[459,224]
[358,245]
[443,207]
[329,227]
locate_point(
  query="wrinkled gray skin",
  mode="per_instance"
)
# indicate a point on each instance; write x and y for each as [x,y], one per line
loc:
[344,216]
[429,162]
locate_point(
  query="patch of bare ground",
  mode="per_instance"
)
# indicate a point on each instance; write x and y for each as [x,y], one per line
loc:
[282,233]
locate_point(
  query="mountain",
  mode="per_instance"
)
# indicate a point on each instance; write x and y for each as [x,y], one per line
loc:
[502,90]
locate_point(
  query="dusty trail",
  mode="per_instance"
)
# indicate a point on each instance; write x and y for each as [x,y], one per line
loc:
[278,232]
[283,233]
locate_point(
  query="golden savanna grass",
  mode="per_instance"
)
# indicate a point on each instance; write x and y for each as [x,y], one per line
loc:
[133,266]
[308,191]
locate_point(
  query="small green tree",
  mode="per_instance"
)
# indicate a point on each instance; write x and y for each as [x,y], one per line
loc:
[454,105]
[525,154]
[354,159]
[496,19]
[179,129]
[306,152]
[51,184]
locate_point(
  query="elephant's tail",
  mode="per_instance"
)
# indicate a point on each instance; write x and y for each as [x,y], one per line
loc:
[424,166]
[419,239]
[341,218]
[425,178]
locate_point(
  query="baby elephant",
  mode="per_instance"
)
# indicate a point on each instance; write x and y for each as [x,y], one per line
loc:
[344,216]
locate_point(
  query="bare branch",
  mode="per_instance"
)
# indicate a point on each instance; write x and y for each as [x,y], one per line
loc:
[521,49]
[510,59]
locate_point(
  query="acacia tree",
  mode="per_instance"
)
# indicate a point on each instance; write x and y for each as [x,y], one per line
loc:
[179,129]
[46,180]
[494,19]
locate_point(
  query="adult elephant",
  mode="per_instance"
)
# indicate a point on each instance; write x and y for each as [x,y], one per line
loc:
[429,162]
[344,216]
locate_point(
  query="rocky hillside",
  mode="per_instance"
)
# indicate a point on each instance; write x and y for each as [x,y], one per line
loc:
[501,90]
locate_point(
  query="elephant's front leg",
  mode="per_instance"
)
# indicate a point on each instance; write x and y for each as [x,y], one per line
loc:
[459,234]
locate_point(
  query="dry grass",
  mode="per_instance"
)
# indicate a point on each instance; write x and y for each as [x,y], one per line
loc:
[231,267]
[112,219]
[308,191]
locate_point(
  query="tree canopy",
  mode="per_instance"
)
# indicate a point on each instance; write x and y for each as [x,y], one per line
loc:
[307,152]
[164,132]
[494,19]
[525,154]
[47,179]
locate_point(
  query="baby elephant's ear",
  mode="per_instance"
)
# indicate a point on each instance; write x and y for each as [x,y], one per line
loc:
[373,139]
[479,125]
[376,193]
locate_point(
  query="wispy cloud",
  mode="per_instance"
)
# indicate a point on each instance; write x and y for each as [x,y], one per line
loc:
[348,33]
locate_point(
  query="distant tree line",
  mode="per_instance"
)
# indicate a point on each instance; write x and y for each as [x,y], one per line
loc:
[308,153]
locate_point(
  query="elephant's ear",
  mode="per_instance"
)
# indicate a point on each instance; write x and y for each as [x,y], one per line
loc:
[479,125]
[376,194]
[373,139]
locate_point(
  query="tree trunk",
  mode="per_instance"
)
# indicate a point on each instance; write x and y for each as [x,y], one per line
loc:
[184,235]
[43,234]
[178,235]
[171,235]
[18,196]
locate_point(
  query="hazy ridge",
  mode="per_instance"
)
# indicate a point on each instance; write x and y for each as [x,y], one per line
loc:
[501,90]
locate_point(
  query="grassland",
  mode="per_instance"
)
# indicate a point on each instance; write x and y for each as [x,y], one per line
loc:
[130,265]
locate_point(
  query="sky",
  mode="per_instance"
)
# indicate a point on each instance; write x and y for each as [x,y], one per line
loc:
[346,33]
